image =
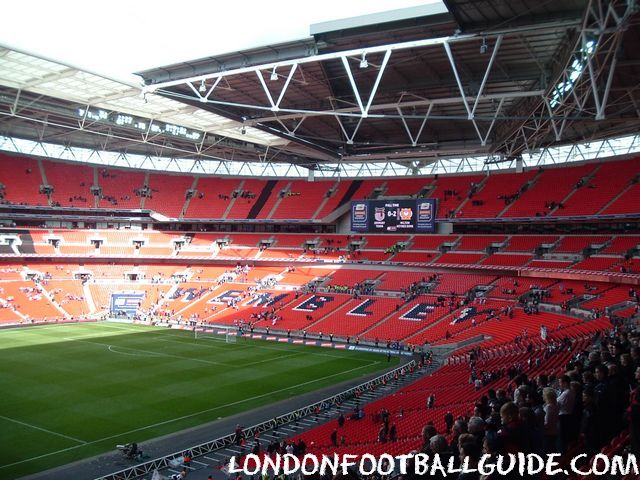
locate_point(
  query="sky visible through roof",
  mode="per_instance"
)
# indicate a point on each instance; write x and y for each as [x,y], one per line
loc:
[120,37]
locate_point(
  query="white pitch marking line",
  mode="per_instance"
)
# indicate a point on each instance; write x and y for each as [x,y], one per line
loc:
[150,353]
[42,429]
[195,414]
[111,349]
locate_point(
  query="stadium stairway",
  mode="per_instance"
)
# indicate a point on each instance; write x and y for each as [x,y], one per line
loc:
[586,181]
[146,184]
[615,198]
[187,201]
[213,462]
[479,188]
[89,298]
[96,183]
[330,193]
[523,188]
[43,175]
[53,302]
[348,195]
[262,199]
[287,189]
[233,201]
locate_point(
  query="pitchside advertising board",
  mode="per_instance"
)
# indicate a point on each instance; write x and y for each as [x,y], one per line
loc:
[394,216]
[126,302]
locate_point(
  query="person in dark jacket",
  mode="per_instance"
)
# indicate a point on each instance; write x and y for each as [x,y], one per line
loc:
[513,436]
[448,420]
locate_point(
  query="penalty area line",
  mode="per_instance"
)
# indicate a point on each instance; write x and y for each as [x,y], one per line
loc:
[35,427]
[201,412]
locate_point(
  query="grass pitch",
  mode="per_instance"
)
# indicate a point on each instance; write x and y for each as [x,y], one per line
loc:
[73,391]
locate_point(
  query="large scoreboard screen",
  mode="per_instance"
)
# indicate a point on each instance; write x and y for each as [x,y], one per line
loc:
[393,216]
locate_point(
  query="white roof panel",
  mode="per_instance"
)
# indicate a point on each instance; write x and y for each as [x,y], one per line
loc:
[27,72]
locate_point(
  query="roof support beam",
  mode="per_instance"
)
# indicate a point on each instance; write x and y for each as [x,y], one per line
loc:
[486,137]
[587,75]
[463,95]
[486,73]
[354,111]
[562,24]
[414,141]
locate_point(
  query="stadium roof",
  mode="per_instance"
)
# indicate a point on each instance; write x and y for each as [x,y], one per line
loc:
[35,88]
[465,78]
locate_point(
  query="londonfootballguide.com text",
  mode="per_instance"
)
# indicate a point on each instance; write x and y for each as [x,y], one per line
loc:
[423,464]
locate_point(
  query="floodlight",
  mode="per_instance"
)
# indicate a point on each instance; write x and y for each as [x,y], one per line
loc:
[484,47]
[363,61]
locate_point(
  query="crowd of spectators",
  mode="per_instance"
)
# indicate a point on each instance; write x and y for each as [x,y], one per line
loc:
[418,288]
[580,409]
[248,194]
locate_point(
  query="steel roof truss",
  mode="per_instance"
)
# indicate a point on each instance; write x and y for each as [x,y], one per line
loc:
[414,141]
[486,73]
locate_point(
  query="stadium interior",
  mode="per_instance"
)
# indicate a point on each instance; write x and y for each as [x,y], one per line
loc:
[236,215]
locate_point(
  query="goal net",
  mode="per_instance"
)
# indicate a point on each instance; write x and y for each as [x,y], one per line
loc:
[218,333]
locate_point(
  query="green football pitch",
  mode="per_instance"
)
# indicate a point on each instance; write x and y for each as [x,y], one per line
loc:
[73,391]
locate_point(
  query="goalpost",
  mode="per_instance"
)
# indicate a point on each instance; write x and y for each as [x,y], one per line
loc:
[220,333]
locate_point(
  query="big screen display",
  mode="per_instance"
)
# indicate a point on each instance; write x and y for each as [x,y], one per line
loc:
[393,216]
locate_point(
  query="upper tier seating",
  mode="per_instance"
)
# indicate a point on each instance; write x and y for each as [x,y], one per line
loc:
[118,188]
[406,186]
[553,185]
[71,183]
[610,179]
[302,200]
[452,191]
[362,190]
[212,198]
[168,194]
[627,202]
[21,184]
[488,202]
[242,206]
[611,190]
[334,200]
[272,200]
